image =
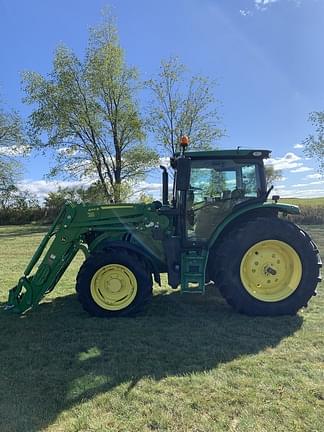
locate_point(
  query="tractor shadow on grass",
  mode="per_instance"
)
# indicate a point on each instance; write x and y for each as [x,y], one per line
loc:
[56,356]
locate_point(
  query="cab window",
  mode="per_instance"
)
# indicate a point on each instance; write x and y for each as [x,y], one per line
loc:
[215,188]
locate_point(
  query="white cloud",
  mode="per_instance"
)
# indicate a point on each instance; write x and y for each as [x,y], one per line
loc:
[41,188]
[263,4]
[289,161]
[314,176]
[245,12]
[13,150]
[67,151]
[319,182]
[154,189]
[143,185]
[316,182]
[301,169]
[309,193]
[298,146]
[297,193]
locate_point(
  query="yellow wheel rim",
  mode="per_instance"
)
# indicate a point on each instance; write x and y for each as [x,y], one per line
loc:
[271,270]
[113,287]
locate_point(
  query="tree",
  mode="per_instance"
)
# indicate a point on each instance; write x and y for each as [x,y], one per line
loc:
[182,105]
[272,174]
[314,143]
[93,194]
[145,198]
[7,182]
[12,137]
[12,143]
[89,112]
[12,197]
[54,201]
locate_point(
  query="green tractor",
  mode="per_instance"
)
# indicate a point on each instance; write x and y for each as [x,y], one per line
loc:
[218,226]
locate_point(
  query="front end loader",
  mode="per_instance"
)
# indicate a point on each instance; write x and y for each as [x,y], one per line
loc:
[219,226]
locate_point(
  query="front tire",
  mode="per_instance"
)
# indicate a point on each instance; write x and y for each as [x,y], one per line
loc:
[267,266]
[113,283]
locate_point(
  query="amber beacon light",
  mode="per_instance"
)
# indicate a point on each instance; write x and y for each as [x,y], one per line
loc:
[184,141]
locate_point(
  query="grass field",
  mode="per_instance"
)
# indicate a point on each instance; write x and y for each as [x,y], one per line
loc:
[317,202]
[184,364]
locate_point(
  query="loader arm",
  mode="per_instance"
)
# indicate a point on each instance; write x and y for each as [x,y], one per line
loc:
[66,243]
[67,236]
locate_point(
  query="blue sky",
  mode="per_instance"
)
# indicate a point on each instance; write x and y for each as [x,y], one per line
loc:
[266,56]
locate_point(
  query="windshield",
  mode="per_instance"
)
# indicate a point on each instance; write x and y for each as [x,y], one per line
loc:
[215,188]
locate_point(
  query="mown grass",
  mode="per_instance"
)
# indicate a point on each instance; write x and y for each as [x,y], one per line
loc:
[184,364]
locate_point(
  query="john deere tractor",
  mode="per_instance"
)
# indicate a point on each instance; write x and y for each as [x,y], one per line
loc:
[218,226]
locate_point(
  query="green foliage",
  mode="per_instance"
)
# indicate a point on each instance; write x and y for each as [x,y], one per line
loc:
[12,136]
[88,110]
[12,143]
[272,174]
[8,178]
[94,194]
[314,143]
[18,207]
[182,105]
[145,198]
[22,215]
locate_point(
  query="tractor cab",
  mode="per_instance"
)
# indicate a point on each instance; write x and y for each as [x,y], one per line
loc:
[213,184]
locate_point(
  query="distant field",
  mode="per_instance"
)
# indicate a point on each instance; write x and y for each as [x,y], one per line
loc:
[311,209]
[304,201]
[185,364]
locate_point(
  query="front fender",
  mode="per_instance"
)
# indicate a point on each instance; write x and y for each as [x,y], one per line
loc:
[147,256]
[240,212]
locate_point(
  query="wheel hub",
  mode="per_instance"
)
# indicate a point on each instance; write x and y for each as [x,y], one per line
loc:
[271,270]
[113,287]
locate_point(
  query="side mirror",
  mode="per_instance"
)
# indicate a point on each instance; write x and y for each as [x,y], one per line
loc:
[183,173]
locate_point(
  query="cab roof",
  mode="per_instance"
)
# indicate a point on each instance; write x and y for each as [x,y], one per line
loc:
[229,154]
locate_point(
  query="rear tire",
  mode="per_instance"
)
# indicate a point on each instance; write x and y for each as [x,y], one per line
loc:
[267,266]
[113,283]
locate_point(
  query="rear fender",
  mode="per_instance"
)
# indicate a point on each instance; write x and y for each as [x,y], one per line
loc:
[248,212]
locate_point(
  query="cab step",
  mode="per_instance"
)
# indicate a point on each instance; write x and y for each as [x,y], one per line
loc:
[193,266]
